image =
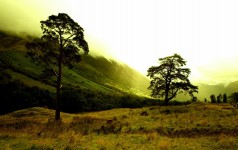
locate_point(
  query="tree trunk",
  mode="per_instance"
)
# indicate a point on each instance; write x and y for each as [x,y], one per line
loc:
[166,99]
[57,102]
[58,94]
[58,87]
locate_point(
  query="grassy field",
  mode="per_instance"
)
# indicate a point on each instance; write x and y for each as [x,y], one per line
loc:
[194,126]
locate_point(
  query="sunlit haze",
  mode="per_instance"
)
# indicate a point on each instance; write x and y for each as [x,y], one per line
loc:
[138,32]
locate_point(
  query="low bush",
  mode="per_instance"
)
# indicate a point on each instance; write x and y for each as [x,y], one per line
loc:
[16,95]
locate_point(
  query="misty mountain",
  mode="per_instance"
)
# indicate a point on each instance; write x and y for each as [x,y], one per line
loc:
[206,90]
[93,72]
[232,87]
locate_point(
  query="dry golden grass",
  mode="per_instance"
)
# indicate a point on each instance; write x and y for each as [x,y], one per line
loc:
[164,144]
[195,126]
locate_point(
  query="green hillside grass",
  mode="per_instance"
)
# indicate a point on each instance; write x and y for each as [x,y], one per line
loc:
[11,41]
[194,126]
[94,73]
[113,74]
[29,81]
[19,64]
[96,83]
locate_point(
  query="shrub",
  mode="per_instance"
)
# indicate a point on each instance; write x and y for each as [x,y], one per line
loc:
[213,98]
[219,98]
[224,98]
[72,101]
[194,99]
[16,95]
[234,97]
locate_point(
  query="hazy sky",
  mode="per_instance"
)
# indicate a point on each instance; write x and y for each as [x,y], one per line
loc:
[138,32]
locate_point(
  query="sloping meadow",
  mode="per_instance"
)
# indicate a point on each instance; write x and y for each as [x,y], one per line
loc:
[194,126]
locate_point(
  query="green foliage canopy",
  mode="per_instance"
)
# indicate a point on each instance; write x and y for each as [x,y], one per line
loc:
[60,45]
[169,78]
[61,42]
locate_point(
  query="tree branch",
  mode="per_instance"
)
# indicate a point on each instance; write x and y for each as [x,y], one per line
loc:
[67,40]
[51,68]
[175,93]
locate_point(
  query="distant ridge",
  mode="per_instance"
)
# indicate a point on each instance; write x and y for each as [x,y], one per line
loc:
[232,87]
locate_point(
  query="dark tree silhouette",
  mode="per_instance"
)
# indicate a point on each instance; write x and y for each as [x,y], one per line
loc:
[219,98]
[224,98]
[60,45]
[234,97]
[194,99]
[169,78]
[213,98]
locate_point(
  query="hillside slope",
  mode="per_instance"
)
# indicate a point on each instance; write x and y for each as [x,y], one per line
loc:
[232,87]
[94,73]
